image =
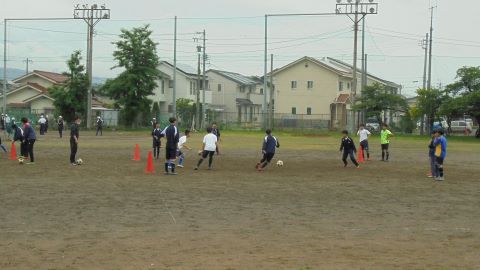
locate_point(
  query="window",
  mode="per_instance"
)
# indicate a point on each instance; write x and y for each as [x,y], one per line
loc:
[242,89]
[250,89]
[294,84]
[340,86]
[309,84]
[163,87]
[294,110]
[348,85]
[261,91]
[170,84]
[191,88]
[219,87]
[309,111]
[170,108]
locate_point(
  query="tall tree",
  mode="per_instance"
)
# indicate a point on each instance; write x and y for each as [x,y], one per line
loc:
[376,99]
[136,53]
[466,92]
[428,103]
[71,97]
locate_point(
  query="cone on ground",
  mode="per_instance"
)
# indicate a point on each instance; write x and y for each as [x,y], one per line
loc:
[149,169]
[361,159]
[13,152]
[136,154]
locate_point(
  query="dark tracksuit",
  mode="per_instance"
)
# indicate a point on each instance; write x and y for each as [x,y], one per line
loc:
[156,142]
[30,137]
[431,156]
[74,133]
[2,146]
[348,148]
[172,136]
[216,132]
[268,149]
[60,127]
[46,125]
[19,136]
[99,127]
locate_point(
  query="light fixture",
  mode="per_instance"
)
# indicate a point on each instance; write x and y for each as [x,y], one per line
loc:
[94,6]
[103,6]
[372,10]
[339,1]
[349,1]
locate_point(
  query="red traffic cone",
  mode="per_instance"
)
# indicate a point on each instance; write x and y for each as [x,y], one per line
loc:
[136,155]
[360,155]
[13,152]
[149,169]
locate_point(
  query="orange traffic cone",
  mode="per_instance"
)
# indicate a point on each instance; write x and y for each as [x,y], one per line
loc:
[360,155]
[136,155]
[149,169]
[13,152]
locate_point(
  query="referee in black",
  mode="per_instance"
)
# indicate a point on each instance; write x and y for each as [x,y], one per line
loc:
[172,136]
[74,133]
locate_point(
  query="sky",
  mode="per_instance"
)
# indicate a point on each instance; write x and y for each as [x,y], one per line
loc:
[235,35]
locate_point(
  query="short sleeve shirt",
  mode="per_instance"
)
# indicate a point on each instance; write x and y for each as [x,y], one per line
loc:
[363,134]
[210,142]
[181,141]
[384,135]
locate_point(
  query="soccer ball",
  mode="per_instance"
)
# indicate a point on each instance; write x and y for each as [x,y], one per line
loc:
[21,160]
[79,161]
[279,163]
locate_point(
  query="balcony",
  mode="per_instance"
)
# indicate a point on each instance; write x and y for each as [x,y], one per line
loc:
[255,98]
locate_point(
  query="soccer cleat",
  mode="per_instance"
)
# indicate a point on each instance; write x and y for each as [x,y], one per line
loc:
[180,166]
[173,173]
[210,168]
[31,163]
[196,168]
[258,165]
[441,178]
[166,173]
[358,167]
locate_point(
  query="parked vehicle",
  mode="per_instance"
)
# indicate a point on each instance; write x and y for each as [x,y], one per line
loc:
[461,126]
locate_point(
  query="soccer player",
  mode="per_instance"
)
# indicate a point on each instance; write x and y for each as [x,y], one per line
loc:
[385,136]
[30,137]
[209,146]
[268,150]
[154,122]
[99,125]
[172,136]
[46,123]
[156,135]
[364,134]
[348,148]
[182,144]
[42,121]
[60,126]
[74,134]
[18,135]
[440,144]
[431,156]
[216,132]
[2,146]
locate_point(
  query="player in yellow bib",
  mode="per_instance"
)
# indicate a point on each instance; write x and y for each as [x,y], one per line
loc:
[385,136]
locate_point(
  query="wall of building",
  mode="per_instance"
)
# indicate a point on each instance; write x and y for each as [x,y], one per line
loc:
[35,79]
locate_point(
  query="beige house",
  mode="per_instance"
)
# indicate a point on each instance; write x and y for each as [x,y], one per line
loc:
[316,90]
[30,92]
[235,97]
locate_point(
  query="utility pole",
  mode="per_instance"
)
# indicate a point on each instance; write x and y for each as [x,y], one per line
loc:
[4,107]
[204,57]
[264,105]
[364,72]
[174,98]
[199,48]
[359,10]
[91,15]
[429,82]
[27,61]
[424,44]
[272,90]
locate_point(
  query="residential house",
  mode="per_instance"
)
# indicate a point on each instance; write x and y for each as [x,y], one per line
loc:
[30,92]
[237,98]
[317,91]
[186,86]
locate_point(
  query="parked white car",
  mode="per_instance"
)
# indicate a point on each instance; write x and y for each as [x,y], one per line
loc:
[461,126]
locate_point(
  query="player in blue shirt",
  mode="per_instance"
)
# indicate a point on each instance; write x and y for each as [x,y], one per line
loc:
[440,144]
[348,148]
[268,150]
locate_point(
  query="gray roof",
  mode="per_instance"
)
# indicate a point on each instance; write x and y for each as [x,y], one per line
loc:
[236,77]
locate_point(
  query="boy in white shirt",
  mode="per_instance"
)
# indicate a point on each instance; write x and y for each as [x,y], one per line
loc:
[182,144]
[364,134]
[209,147]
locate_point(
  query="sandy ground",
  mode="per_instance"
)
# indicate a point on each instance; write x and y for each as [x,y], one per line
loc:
[310,214]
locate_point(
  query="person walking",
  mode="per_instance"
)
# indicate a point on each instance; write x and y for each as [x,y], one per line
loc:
[74,134]
[60,125]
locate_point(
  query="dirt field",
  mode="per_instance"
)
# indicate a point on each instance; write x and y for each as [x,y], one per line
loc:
[310,214]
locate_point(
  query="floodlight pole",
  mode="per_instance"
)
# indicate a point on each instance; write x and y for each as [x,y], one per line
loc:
[174,101]
[91,15]
[359,10]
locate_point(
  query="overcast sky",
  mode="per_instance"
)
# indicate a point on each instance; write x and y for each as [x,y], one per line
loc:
[235,34]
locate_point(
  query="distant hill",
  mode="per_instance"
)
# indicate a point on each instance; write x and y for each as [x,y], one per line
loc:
[13,73]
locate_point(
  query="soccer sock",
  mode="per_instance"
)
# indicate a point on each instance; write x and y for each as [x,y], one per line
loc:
[264,164]
[344,162]
[210,160]
[440,169]
[383,155]
[388,154]
[180,160]
[199,162]
[368,154]
[166,166]
[173,166]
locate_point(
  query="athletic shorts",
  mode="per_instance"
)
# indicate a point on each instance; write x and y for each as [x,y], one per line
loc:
[206,153]
[385,146]
[364,144]
[170,153]
[268,156]
[439,160]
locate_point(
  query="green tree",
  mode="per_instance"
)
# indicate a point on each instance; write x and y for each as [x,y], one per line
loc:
[136,53]
[185,111]
[465,92]
[156,110]
[428,103]
[376,99]
[71,97]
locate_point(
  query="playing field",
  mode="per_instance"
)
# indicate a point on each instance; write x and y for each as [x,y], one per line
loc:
[310,214]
